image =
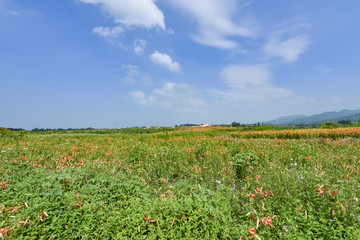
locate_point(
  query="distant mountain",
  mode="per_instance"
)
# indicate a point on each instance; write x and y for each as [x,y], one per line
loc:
[355,118]
[353,115]
[281,120]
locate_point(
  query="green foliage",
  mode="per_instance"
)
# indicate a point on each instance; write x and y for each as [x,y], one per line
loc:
[345,122]
[236,124]
[4,132]
[181,185]
[12,136]
[329,125]
[244,163]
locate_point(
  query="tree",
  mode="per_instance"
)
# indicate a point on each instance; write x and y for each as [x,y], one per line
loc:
[235,124]
[345,122]
[330,125]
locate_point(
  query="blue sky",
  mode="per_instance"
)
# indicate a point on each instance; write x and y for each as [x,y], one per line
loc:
[123,63]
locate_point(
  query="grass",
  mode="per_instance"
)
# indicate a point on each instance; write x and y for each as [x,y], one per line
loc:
[181,185]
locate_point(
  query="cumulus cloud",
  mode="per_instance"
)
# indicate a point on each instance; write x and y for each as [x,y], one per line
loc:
[171,95]
[287,42]
[139,46]
[141,13]
[131,75]
[215,24]
[165,60]
[250,83]
[127,14]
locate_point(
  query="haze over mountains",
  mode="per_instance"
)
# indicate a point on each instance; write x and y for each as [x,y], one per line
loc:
[353,115]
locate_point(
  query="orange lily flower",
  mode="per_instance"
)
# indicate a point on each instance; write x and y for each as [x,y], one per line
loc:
[148,219]
[23,223]
[251,195]
[4,231]
[266,220]
[252,231]
[269,192]
[3,184]
[321,192]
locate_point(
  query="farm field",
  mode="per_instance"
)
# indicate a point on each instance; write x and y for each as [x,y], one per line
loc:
[209,183]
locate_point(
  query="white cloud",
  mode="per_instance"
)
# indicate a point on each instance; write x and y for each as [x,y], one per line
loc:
[215,24]
[287,42]
[171,95]
[170,31]
[140,13]
[323,69]
[139,46]
[140,97]
[127,15]
[108,33]
[289,49]
[14,9]
[133,75]
[165,60]
[250,83]
[245,76]
[314,101]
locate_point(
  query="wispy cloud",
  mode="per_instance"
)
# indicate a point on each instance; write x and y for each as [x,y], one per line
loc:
[170,31]
[323,69]
[288,42]
[171,95]
[139,46]
[14,9]
[249,83]
[165,60]
[132,75]
[127,14]
[141,98]
[215,22]
[109,33]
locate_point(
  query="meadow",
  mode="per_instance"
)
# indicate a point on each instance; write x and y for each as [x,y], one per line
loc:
[184,183]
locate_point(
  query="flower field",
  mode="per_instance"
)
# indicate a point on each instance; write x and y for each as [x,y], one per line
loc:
[208,184]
